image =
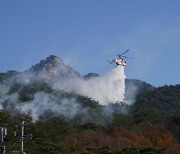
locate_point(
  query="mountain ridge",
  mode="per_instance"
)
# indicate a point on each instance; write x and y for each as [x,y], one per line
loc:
[52,68]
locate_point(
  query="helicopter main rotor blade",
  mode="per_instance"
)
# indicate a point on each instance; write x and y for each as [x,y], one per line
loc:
[124,56]
[123,53]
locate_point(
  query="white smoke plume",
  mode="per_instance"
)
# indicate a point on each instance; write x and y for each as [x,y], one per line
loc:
[109,88]
[130,94]
[44,103]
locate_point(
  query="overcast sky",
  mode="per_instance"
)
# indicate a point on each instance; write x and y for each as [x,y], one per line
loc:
[86,33]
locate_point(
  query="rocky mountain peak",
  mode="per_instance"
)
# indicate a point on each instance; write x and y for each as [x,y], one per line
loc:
[91,75]
[54,60]
[50,63]
[52,68]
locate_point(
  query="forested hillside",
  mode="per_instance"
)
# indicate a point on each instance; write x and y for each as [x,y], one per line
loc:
[151,125]
[65,122]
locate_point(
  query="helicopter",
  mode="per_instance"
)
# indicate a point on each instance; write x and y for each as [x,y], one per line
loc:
[120,60]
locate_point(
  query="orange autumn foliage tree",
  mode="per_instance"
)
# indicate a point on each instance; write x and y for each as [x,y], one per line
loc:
[157,135]
[91,139]
[114,137]
[121,134]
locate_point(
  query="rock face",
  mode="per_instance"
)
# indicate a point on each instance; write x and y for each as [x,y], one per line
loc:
[53,68]
[91,75]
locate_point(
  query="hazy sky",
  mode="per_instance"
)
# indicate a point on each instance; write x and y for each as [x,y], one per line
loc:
[86,33]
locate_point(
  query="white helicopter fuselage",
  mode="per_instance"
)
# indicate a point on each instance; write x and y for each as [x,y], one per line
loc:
[118,62]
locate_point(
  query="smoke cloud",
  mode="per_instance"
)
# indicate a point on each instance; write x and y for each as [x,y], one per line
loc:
[109,88]
[44,104]
[130,93]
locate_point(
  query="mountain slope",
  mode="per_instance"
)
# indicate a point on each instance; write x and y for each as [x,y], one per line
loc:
[52,68]
[165,99]
[133,87]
